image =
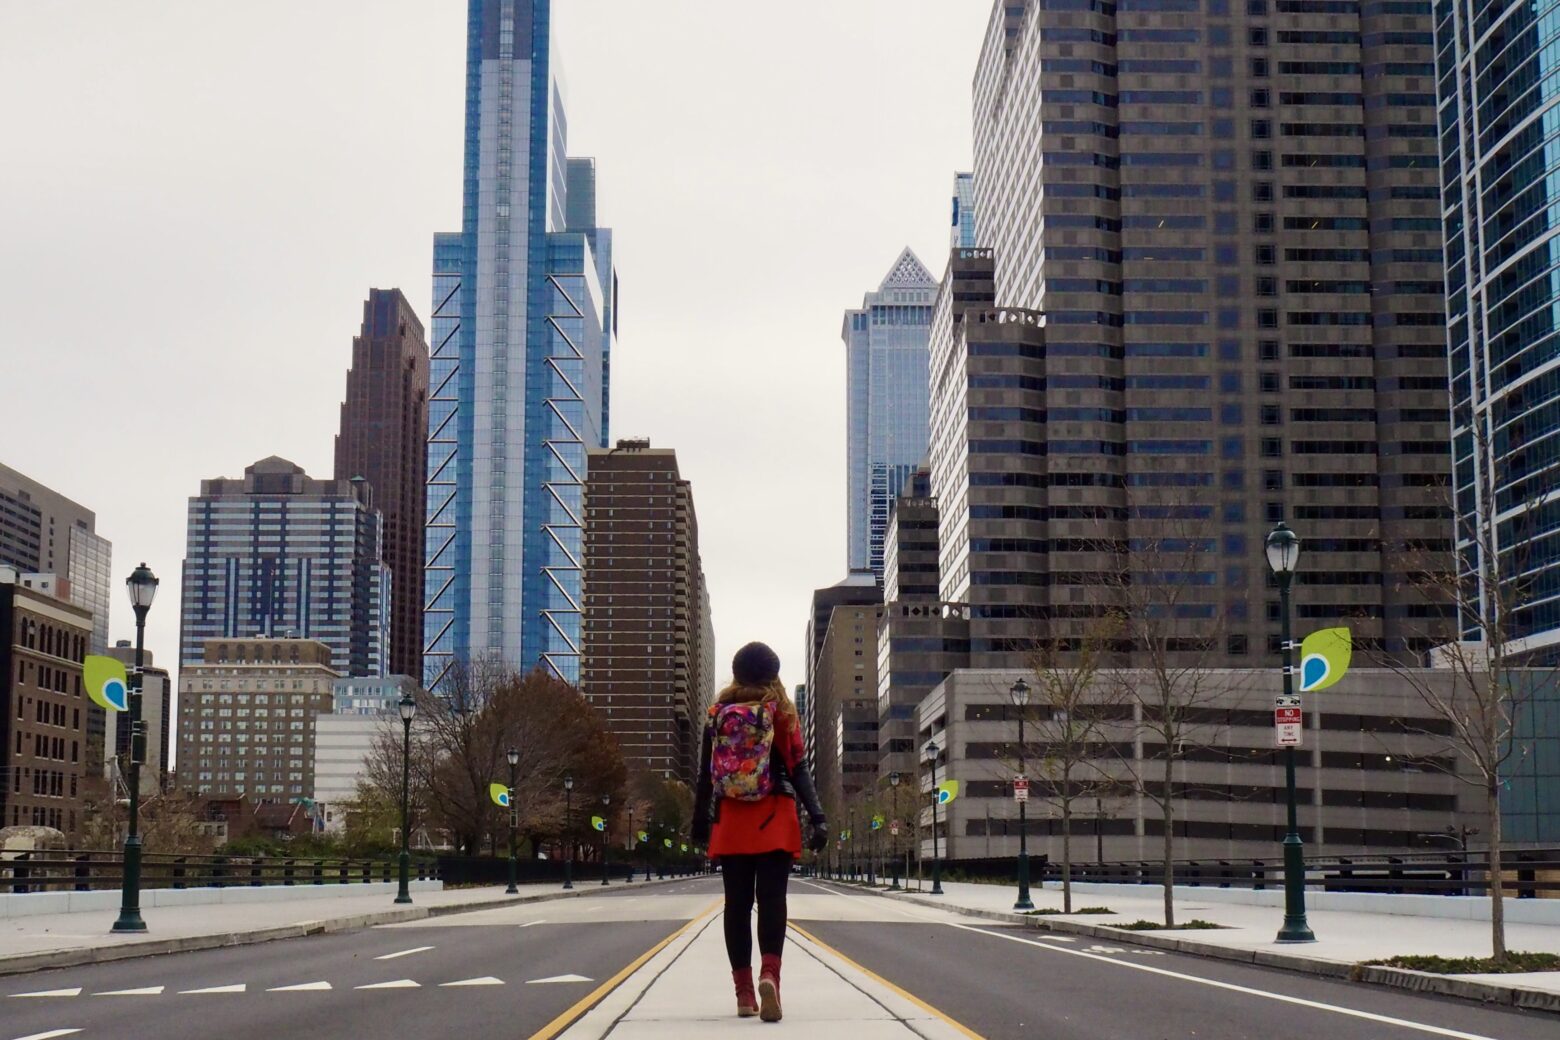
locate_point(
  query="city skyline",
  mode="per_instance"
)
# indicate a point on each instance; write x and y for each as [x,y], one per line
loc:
[789,356]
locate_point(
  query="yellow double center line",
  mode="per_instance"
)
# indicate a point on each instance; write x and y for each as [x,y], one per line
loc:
[598,994]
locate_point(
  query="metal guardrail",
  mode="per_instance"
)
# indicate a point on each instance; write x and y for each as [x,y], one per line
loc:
[80,871]
[1529,873]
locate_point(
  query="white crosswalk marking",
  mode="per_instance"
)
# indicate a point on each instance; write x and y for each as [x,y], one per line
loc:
[302,987]
[74,991]
[144,991]
[397,984]
[240,987]
[486,980]
[403,953]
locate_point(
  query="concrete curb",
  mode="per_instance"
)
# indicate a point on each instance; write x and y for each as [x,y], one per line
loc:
[1374,975]
[22,963]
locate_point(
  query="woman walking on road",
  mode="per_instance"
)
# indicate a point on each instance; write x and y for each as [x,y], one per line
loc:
[751,777]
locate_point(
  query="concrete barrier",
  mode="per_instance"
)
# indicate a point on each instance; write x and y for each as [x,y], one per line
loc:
[1462,908]
[33,904]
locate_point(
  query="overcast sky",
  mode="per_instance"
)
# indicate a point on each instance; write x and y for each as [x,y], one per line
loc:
[196,196]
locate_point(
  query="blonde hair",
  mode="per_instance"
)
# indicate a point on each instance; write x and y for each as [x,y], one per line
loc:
[772,692]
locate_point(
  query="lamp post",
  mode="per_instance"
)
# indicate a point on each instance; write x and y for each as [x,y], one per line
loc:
[929,755]
[633,840]
[514,760]
[1283,552]
[568,829]
[872,851]
[1020,695]
[142,585]
[852,832]
[893,785]
[408,708]
[606,837]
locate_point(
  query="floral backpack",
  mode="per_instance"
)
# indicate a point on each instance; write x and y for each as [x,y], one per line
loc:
[744,737]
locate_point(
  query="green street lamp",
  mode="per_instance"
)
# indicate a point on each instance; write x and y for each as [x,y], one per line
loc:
[1020,695]
[851,831]
[408,709]
[606,838]
[929,755]
[514,760]
[142,585]
[893,783]
[1283,553]
[568,828]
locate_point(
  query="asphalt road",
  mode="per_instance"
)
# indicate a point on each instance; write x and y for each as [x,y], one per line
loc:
[509,973]
[1009,983]
[499,954]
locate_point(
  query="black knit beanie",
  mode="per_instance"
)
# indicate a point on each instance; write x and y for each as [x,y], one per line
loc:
[755,665]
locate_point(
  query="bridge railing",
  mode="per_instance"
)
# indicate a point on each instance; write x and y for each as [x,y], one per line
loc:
[1528,873]
[86,871]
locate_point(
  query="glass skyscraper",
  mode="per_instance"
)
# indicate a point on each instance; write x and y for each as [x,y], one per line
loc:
[523,323]
[1497,63]
[277,554]
[885,357]
[963,235]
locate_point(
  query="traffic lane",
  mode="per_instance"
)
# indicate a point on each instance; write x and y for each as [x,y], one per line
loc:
[514,956]
[1045,986]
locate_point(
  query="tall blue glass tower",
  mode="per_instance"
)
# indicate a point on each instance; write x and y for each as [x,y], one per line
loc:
[1497,67]
[886,401]
[524,317]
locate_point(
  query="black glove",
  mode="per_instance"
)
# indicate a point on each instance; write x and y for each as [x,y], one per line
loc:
[820,835]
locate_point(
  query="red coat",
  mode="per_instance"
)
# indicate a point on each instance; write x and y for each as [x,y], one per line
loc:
[770,825]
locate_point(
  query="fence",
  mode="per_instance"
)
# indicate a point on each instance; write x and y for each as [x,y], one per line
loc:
[1529,873]
[494,870]
[78,871]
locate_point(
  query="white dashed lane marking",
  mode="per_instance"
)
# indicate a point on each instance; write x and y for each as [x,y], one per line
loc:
[403,953]
[240,987]
[303,987]
[397,984]
[486,980]
[144,991]
[74,991]
[50,1035]
[559,978]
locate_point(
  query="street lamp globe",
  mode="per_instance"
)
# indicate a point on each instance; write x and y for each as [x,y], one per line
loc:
[568,783]
[930,751]
[142,585]
[513,756]
[408,708]
[1020,693]
[1283,550]
[893,779]
[606,799]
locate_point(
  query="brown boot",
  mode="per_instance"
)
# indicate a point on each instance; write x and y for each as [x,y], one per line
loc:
[769,988]
[747,1003]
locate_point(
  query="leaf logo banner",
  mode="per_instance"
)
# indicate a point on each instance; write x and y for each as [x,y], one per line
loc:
[1324,658]
[500,795]
[106,683]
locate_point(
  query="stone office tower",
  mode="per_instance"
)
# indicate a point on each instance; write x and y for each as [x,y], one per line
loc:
[648,666]
[384,439]
[1219,304]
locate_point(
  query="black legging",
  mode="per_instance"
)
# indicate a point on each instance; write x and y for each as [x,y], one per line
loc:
[767,874]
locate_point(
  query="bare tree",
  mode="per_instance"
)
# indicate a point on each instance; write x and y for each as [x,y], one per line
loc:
[1173,636]
[1073,715]
[1477,686]
[459,744]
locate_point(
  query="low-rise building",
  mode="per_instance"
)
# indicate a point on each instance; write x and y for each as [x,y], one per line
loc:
[156,712]
[44,734]
[248,711]
[1374,772]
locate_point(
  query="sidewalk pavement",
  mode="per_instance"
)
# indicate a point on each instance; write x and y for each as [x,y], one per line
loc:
[685,990]
[1344,938]
[65,940]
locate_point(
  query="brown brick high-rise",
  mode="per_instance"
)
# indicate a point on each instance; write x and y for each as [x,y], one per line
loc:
[384,439]
[647,648]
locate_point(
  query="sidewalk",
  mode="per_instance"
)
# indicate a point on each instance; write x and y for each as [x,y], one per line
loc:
[67,939]
[1344,939]
[684,990]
